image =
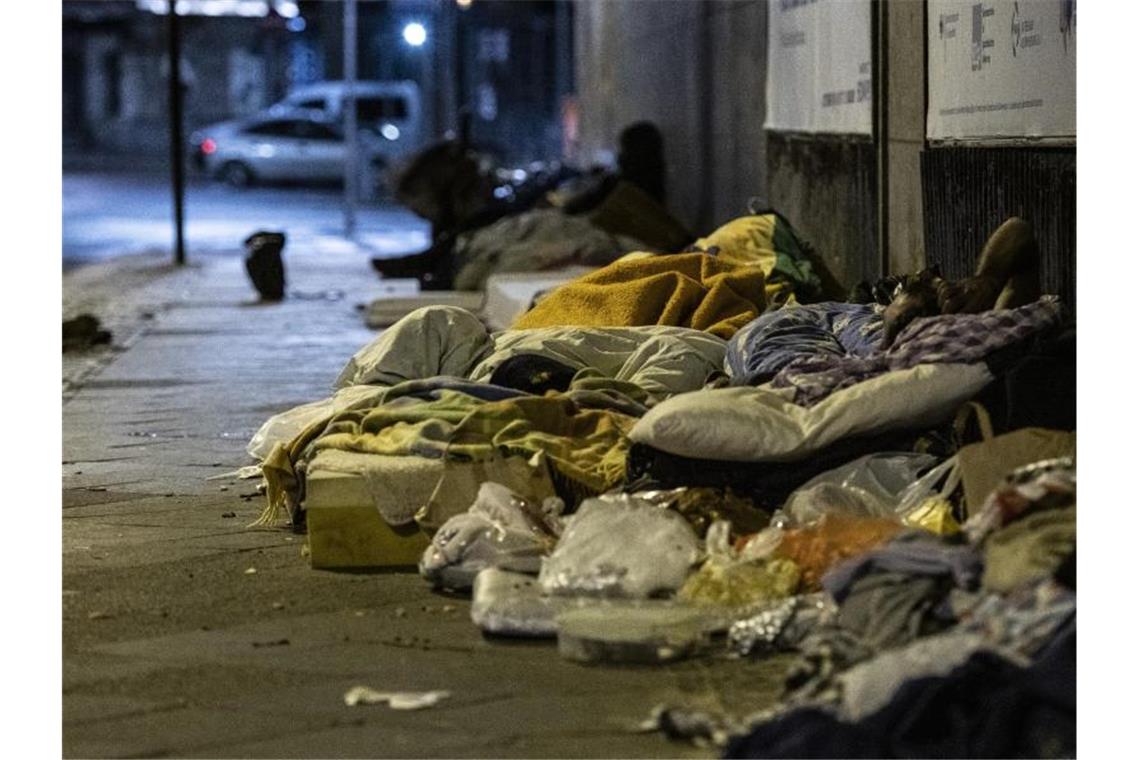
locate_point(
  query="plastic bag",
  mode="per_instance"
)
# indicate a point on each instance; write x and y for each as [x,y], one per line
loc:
[870,486]
[702,507]
[926,487]
[621,546]
[732,583]
[499,530]
[510,604]
[783,625]
[935,515]
[818,548]
[726,579]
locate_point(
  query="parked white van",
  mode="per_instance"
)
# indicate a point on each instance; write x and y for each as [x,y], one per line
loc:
[389,111]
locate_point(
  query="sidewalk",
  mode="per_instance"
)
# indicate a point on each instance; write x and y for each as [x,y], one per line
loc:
[185,634]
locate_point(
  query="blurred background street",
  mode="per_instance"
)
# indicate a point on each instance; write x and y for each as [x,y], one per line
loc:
[109,213]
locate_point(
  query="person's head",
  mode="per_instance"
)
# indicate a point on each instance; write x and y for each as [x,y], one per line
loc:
[641,157]
[641,138]
[445,184]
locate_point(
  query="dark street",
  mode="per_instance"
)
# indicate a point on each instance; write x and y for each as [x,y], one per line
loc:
[113,213]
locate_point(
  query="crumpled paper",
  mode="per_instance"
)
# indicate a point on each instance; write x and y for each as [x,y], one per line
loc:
[397,700]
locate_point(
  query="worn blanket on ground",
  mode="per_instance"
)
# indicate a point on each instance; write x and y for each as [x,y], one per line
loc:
[535,241]
[654,361]
[768,241]
[774,340]
[586,447]
[686,290]
[945,339]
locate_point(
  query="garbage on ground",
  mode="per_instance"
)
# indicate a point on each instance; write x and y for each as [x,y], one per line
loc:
[870,486]
[633,635]
[783,625]
[701,507]
[242,473]
[818,548]
[501,529]
[264,265]
[84,331]
[621,546]
[740,583]
[397,700]
[511,604]
[729,580]
[691,456]
[935,515]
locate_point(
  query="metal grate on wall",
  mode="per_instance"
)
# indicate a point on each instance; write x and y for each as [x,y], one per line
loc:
[968,191]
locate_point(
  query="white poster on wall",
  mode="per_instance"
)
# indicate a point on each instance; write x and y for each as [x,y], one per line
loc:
[819,66]
[1001,68]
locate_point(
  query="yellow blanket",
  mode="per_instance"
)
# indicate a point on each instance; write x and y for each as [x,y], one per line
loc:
[684,290]
[586,447]
[767,240]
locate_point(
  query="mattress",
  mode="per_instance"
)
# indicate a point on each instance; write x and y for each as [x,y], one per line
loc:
[387,310]
[346,497]
[512,293]
[368,510]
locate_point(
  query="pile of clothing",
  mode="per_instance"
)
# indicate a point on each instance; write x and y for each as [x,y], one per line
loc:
[690,455]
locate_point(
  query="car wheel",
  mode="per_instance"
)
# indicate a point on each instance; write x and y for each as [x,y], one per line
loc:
[237,174]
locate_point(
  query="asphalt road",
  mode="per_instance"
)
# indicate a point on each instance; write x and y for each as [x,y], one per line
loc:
[109,214]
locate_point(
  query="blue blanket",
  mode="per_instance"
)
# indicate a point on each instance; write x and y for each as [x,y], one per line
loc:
[773,340]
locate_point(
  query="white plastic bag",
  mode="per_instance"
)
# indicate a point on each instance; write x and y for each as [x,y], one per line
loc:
[621,546]
[871,486]
[926,487]
[501,529]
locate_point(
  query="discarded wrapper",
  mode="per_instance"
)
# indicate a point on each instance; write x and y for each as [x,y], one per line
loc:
[242,473]
[397,700]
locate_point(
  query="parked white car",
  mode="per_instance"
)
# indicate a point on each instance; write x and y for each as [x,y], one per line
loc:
[277,148]
[389,110]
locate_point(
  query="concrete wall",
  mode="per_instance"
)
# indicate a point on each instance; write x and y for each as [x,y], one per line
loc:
[905,134]
[825,186]
[697,70]
[739,69]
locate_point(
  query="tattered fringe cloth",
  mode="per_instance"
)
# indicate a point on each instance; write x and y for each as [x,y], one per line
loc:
[284,491]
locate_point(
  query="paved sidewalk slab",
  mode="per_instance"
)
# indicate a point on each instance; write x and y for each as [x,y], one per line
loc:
[171,647]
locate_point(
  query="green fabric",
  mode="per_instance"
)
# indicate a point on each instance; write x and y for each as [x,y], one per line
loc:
[1030,548]
[769,241]
[590,379]
[587,445]
[398,427]
[792,261]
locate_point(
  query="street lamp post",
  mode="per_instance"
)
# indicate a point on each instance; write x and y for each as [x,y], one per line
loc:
[178,179]
[351,145]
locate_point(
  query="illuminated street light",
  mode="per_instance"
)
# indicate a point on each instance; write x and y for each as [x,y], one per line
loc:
[415,34]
